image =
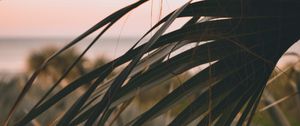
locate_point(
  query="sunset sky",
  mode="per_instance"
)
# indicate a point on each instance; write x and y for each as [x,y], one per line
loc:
[60,18]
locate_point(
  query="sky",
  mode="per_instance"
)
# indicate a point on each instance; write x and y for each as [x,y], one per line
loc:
[60,18]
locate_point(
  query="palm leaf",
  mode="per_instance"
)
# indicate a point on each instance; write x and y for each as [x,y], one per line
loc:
[242,41]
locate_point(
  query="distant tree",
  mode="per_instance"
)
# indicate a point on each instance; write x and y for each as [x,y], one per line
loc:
[60,64]
[57,66]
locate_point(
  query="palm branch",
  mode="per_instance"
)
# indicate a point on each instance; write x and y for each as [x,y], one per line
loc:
[240,41]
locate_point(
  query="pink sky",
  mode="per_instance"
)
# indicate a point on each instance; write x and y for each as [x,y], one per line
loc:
[31,18]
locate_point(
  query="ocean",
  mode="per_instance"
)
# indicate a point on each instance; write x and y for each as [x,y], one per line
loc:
[15,51]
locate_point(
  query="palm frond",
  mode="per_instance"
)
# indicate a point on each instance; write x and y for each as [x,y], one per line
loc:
[241,40]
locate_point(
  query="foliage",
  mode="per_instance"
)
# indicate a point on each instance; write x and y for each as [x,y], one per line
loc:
[239,40]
